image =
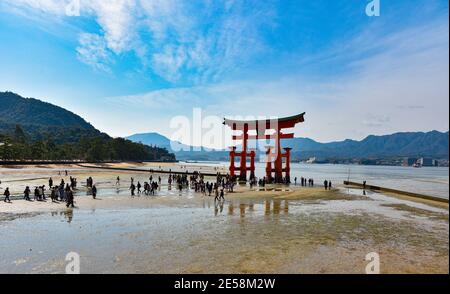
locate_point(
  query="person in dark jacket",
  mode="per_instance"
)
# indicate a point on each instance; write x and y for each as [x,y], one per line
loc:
[7,194]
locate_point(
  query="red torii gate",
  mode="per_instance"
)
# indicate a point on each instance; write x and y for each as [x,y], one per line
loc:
[260,126]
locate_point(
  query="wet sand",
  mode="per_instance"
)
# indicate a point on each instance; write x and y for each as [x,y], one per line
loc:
[282,230]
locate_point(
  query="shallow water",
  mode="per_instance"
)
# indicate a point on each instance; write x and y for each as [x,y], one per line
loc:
[239,236]
[186,232]
[432,181]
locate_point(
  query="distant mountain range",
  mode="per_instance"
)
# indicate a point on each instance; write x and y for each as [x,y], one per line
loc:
[40,121]
[408,144]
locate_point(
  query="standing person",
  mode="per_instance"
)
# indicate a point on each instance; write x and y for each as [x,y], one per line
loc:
[295,181]
[26,194]
[42,191]
[364,185]
[7,194]
[132,188]
[139,187]
[53,195]
[36,194]
[62,194]
[50,182]
[329,185]
[94,192]
[70,199]
[325,183]
[216,190]
[118,181]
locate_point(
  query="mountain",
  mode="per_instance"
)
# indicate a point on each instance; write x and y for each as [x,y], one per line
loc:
[151,139]
[408,144]
[155,139]
[31,129]
[18,110]
[41,120]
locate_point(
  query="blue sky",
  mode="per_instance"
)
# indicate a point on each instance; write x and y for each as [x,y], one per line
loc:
[130,66]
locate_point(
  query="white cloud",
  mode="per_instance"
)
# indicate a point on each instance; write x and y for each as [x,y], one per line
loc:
[400,78]
[94,52]
[168,62]
[117,19]
[47,6]
[401,87]
[198,41]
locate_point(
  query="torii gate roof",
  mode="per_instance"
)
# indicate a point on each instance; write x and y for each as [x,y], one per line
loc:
[284,122]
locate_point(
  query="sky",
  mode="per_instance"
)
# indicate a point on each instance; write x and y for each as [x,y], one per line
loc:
[132,66]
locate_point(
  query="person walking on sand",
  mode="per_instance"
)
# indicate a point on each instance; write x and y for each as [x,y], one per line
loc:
[42,192]
[70,200]
[7,194]
[139,186]
[325,183]
[53,195]
[94,192]
[62,193]
[26,194]
[216,191]
[132,188]
[329,185]
[36,194]
[118,181]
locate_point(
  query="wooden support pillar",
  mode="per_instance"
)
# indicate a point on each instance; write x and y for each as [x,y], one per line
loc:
[288,165]
[279,158]
[252,164]
[268,164]
[232,159]
[243,166]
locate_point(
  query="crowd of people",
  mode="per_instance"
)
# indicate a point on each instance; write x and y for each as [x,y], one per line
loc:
[57,193]
[64,192]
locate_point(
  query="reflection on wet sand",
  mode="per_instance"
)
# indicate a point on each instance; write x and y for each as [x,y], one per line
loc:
[270,207]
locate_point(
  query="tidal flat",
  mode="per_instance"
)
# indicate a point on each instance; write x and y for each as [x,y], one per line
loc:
[278,230]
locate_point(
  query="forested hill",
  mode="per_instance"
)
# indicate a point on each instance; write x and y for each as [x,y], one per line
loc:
[29,111]
[33,129]
[41,120]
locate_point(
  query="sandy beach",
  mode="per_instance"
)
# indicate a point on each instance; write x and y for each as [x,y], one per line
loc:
[278,229]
